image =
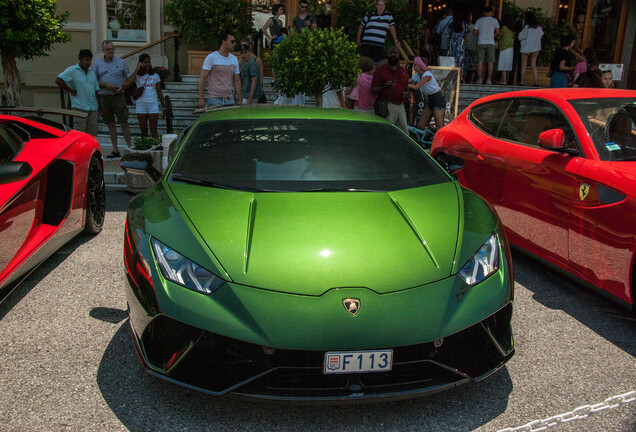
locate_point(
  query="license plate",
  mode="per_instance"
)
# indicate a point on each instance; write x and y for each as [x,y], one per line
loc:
[358,361]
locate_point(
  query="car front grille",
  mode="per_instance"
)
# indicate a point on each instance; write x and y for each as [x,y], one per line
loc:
[217,365]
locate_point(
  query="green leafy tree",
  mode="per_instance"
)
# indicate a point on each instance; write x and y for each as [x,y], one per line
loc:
[315,60]
[201,21]
[28,29]
[407,23]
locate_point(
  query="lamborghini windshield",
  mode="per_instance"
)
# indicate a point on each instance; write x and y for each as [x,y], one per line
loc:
[611,123]
[303,155]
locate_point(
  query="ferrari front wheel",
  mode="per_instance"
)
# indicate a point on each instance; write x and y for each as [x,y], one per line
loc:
[95,197]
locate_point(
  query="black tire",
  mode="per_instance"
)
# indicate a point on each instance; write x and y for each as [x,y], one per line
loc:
[95,197]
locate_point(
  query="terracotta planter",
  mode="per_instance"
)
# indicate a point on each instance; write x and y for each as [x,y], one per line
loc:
[138,183]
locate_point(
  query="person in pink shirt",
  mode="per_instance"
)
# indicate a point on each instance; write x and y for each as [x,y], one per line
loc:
[362,95]
[221,69]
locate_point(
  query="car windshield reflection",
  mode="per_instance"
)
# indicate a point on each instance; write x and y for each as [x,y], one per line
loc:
[303,155]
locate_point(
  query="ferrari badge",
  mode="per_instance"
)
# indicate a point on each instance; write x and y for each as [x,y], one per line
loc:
[583,191]
[351,305]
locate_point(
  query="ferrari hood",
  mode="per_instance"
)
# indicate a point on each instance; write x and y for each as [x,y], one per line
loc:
[308,243]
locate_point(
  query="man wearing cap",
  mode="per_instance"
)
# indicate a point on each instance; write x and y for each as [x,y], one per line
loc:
[250,75]
[221,68]
[390,82]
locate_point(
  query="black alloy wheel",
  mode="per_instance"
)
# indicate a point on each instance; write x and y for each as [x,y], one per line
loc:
[95,197]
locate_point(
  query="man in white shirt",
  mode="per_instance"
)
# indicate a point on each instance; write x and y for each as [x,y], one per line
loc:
[222,69]
[486,29]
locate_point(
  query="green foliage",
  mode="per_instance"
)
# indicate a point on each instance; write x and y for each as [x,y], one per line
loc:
[309,61]
[407,23]
[202,21]
[30,28]
[552,33]
[147,143]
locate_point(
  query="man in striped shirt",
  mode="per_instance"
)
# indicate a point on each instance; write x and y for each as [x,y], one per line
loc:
[373,31]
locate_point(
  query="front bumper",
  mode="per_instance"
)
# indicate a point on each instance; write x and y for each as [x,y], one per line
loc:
[267,344]
[216,365]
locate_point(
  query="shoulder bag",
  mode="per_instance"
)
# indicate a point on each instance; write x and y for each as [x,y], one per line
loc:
[381,106]
[140,90]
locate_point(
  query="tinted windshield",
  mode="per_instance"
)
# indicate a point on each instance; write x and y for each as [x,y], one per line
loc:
[303,155]
[610,123]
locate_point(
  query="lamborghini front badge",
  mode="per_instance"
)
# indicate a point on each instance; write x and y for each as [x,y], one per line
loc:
[351,305]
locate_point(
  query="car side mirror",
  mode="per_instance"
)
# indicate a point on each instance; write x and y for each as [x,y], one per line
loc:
[452,164]
[552,139]
[140,164]
[11,171]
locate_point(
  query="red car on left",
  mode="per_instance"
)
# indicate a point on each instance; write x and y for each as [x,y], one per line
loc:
[51,188]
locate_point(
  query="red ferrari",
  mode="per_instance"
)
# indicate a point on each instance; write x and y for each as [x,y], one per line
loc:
[559,167]
[51,188]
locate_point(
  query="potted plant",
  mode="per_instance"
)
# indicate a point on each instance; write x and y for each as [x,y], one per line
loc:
[311,62]
[163,74]
[136,183]
[200,23]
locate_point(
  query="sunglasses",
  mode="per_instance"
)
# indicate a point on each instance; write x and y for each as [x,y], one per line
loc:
[232,41]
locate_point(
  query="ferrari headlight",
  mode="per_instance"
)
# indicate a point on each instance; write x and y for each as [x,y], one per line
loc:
[178,269]
[484,263]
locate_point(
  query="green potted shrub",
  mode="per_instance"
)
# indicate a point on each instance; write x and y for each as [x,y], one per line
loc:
[313,61]
[201,22]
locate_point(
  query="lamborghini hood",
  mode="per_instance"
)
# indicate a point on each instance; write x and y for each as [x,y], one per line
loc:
[308,243]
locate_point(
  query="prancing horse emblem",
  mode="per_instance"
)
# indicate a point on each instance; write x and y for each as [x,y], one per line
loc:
[351,305]
[583,191]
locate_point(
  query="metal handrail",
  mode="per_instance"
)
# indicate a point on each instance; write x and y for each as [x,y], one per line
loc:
[177,42]
[169,114]
[151,44]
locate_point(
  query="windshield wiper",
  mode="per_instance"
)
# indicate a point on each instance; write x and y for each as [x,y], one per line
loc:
[625,158]
[201,182]
[335,189]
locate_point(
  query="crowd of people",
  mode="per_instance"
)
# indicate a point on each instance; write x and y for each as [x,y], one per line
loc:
[511,46]
[97,88]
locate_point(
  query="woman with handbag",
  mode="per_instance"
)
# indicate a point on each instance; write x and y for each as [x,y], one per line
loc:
[146,95]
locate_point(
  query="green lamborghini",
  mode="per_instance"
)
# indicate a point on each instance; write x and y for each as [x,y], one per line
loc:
[313,254]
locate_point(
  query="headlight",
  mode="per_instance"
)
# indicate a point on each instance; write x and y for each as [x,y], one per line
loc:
[178,269]
[484,263]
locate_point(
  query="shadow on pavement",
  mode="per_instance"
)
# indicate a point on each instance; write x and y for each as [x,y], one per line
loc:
[15,294]
[142,402]
[556,291]
[117,200]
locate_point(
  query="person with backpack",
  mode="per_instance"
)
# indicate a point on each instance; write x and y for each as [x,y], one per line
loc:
[304,19]
[442,30]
